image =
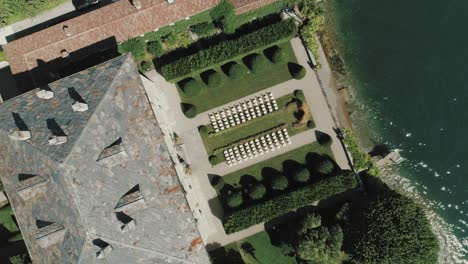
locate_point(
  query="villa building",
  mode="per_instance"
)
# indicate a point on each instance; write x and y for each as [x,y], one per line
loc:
[89,176]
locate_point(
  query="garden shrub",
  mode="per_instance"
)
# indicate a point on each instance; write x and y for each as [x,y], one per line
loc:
[266,211]
[311,124]
[191,87]
[237,71]
[203,30]
[155,48]
[257,191]
[297,71]
[301,175]
[203,129]
[217,182]
[214,159]
[266,36]
[175,40]
[278,56]
[325,166]
[223,10]
[234,199]
[257,62]
[215,79]
[147,65]
[310,221]
[135,45]
[299,94]
[324,139]
[279,182]
[189,110]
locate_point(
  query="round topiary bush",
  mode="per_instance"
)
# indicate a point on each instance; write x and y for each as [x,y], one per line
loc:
[279,183]
[297,71]
[217,182]
[299,94]
[192,87]
[215,80]
[310,124]
[301,175]
[234,199]
[203,129]
[324,139]
[147,66]
[189,110]
[325,166]
[155,48]
[236,71]
[214,159]
[257,63]
[278,56]
[257,191]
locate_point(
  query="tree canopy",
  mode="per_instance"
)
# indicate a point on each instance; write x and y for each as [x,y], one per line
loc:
[320,245]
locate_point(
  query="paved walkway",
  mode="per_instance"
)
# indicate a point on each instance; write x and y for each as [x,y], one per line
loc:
[200,195]
[60,10]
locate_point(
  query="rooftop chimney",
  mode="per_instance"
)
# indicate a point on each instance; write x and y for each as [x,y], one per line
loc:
[79,106]
[104,252]
[170,1]
[136,3]
[67,31]
[57,140]
[45,94]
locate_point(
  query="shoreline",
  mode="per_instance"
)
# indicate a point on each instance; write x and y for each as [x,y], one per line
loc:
[451,248]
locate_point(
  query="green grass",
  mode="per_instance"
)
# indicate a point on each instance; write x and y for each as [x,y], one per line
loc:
[2,56]
[6,220]
[298,154]
[284,115]
[264,253]
[210,98]
[12,11]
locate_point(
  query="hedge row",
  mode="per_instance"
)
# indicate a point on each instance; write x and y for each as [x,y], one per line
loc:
[264,212]
[228,49]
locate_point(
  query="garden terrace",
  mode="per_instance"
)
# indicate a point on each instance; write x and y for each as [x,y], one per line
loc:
[285,117]
[233,87]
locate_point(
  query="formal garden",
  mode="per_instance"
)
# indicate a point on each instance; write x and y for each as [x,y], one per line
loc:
[293,114]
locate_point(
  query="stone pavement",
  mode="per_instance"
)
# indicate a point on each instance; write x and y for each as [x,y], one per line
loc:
[200,195]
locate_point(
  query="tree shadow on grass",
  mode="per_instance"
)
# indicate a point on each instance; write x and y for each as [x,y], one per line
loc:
[290,167]
[226,67]
[313,160]
[222,255]
[246,181]
[268,173]
[206,75]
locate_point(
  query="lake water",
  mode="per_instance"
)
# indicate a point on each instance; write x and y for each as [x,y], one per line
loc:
[409,68]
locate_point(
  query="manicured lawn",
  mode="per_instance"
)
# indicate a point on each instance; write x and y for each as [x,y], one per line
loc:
[210,98]
[12,11]
[284,115]
[6,220]
[2,56]
[298,155]
[264,251]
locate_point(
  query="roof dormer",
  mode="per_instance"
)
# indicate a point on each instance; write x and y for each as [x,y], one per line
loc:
[49,233]
[30,186]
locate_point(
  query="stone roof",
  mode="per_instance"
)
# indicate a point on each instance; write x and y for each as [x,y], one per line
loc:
[120,20]
[79,199]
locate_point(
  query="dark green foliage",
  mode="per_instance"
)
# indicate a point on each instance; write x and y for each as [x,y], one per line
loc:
[279,182]
[214,159]
[189,110]
[302,174]
[155,48]
[203,30]
[236,71]
[310,221]
[234,199]
[215,79]
[228,49]
[217,182]
[311,124]
[325,166]
[223,10]
[278,56]
[257,191]
[392,229]
[20,259]
[12,11]
[297,71]
[135,45]
[324,139]
[299,94]
[257,62]
[191,87]
[147,65]
[282,204]
[203,129]
[320,245]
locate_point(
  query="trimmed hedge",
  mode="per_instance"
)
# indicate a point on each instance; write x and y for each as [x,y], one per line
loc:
[302,175]
[189,110]
[278,56]
[203,30]
[257,191]
[297,71]
[311,124]
[257,62]
[280,205]
[215,80]
[203,129]
[155,48]
[229,49]
[279,183]
[214,160]
[191,87]
[325,167]
[234,199]
[237,71]
[147,66]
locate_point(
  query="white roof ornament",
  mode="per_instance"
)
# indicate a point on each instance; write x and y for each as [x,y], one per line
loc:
[20,135]
[57,140]
[79,106]
[45,94]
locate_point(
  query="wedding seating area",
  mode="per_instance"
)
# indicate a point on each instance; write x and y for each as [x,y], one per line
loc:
[243,112]
[257,147]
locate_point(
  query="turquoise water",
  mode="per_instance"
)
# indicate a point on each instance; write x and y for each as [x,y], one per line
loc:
[409,63]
